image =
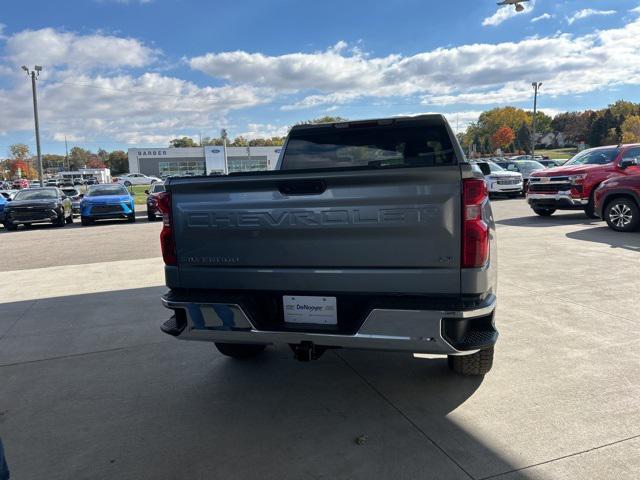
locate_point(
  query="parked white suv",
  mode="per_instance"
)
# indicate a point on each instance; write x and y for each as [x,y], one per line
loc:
[129,179]
[500,180]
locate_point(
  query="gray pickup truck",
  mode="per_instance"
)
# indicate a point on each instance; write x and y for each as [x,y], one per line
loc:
[372,234]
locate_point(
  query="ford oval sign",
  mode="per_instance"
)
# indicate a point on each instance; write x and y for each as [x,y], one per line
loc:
[214,150]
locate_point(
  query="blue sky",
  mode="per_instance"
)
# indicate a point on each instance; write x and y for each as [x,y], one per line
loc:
[123,73]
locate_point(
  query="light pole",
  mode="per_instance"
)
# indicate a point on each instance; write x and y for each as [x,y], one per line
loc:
[34,74]
[536,86]
[223,134]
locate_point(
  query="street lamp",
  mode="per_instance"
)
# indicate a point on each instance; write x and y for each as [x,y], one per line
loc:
[536,86]
[34,74]
[224,135]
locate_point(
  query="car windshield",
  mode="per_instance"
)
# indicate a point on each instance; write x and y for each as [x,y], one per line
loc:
[106,190]
[70,192]
[599,156]
[495,167]
[157,188]
[37,194]
[529,166]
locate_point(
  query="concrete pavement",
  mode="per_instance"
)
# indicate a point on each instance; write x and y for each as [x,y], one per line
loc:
[90,388]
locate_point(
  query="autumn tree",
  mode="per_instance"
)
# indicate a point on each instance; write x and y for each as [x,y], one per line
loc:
[631,129]
[183,142]
[523,138]
[503,137]
[19,151]
[118,162]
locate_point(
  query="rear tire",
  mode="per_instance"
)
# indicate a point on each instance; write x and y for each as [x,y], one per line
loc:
[240,350]
[86,221]
[478,363]
[10,227]
[544,212]
[622,215]
[131,218]
[151,216]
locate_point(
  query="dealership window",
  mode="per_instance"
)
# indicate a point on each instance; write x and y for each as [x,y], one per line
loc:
[180,168]
[247,164]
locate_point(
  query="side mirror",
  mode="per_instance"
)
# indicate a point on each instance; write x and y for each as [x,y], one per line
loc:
[81,195]
[63,196]
[628,162]
[146,192]
[9,199]
[133,194]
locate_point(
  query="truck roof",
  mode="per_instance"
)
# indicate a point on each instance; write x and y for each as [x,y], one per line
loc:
[434,118]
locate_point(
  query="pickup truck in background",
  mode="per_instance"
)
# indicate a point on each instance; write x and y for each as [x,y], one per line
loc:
[370,234]
[573,185]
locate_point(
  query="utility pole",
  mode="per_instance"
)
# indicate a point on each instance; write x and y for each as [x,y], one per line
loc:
[66,155]
[536,86]
[223,134]
[35,73]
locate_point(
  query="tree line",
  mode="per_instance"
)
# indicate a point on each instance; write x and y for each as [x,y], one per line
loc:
[510,128]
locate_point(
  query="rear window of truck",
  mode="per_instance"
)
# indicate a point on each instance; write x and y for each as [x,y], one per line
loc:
[373,146]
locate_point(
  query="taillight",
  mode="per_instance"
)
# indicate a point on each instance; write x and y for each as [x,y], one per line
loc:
[167,242]
[475,232]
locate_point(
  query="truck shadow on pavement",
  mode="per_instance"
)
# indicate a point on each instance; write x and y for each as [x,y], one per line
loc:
[92,389]
[607,236]
[554,221]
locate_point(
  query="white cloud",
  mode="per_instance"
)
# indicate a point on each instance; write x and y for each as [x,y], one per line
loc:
[635,10]
[264,130]
[84,94]
[544,16]
[476,74]
[53,48]
[588,12]
[505,13]
[125,108]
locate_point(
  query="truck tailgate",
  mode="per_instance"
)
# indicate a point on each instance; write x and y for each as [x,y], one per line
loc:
[375,230]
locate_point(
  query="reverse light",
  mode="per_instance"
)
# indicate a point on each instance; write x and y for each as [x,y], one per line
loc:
[475,231]
[167,241]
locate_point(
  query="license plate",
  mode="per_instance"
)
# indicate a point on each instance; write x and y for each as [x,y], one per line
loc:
[317,310]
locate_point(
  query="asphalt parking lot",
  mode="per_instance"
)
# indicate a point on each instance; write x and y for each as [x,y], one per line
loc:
[90,387]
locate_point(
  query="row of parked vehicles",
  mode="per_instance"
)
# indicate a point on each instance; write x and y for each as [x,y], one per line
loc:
[602,181]
[59,205]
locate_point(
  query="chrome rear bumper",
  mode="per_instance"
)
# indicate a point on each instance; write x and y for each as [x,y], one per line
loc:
[417,331]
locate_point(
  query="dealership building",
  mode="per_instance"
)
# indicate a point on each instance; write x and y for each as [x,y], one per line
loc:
[210,160]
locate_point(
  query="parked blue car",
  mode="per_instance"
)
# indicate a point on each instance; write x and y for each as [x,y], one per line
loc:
[104,201]
[3,202]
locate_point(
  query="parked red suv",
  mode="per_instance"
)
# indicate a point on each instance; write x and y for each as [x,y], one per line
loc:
[571,186]
[617,201]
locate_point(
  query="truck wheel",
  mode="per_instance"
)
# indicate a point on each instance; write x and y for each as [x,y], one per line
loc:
[10,227]
[478,363]
[544,212]
[622,214]
[240,350]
